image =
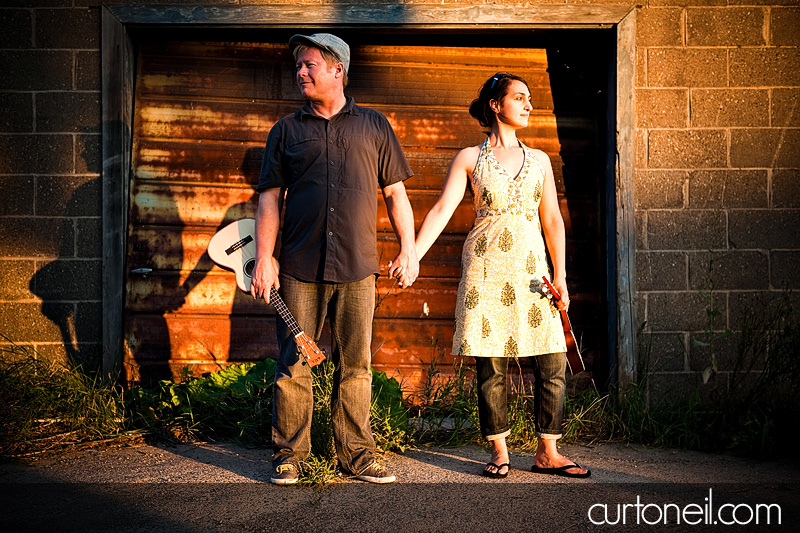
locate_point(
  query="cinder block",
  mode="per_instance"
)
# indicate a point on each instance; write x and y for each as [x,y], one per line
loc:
[35,70]
[640,229]
[764,67]
[29,237]
[68,28]
[723,347]
[89,153]
[729,26]
[784,268]
[785,110]
[36,154]
[662,108]
[89,238]
[765,148]
[24,322]
[659,27]
[16,112]
[14,278]
[689,229]
[20,188]
[659,189]
[87,71]
[17,28]
[661,271]
[729,107]
[66,279]
[681,311]
[687,67]
[687,149]
[717,189]
[743,270]
[68,111]
[786,188]
[764,229]
[68,196]
[89,314]
[662,352]
[784,26]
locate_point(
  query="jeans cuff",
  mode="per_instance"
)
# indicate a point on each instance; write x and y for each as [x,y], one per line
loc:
[554,436]
[502,435]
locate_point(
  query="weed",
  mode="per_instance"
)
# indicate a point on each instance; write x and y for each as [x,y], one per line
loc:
[47,406]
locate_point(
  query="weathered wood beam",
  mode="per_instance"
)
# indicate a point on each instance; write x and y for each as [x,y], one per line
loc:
[375,16]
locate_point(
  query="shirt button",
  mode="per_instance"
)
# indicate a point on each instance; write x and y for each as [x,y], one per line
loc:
[331,209]
[330,233]
[332,163]
[332,186]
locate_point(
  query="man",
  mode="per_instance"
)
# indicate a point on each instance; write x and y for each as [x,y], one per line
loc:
[329,158]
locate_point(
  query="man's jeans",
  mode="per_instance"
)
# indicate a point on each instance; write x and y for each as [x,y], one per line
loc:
[549,372]
[349,307]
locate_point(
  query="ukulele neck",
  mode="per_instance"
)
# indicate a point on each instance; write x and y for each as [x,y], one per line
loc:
[280,306]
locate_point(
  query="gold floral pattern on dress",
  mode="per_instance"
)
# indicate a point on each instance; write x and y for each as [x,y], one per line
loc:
[507,296]
[486,196]
[480,246]
[512,350]
[534,316]
[495,308]
[530,263]
[506,240]
[537,192]
[473,298]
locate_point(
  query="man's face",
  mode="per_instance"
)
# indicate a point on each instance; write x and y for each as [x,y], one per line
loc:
[316,79]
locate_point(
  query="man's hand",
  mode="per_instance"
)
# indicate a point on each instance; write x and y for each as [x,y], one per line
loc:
[404,268]
[265,275]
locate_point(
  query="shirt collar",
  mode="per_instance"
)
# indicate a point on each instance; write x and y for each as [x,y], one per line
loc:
[349,107]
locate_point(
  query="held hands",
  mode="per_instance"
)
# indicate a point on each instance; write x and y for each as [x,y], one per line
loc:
[404,268]
[265,275]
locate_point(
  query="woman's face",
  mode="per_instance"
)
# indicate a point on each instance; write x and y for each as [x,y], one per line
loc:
[515,107]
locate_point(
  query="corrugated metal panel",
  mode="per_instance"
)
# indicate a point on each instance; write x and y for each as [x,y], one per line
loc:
[202,115]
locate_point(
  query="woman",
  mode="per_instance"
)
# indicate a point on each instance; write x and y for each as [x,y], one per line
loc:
[501,311]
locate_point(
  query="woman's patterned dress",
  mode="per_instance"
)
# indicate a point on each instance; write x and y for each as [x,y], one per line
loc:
[501,310]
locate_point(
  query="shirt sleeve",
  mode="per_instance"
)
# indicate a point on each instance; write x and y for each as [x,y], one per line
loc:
[394,166]
[272,171]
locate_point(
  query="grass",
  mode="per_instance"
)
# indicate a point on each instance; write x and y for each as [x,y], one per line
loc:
[46,406]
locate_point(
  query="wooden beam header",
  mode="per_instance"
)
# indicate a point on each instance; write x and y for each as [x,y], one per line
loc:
[417,16]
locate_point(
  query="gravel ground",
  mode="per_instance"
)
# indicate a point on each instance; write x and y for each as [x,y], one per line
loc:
[225,487]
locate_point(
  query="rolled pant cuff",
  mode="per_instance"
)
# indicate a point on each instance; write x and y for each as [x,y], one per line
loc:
[554,436]
[499,435]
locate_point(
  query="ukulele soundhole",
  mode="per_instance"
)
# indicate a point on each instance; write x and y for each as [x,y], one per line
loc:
[248,267]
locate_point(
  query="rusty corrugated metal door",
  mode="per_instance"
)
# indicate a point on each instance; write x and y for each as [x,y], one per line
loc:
[202,114]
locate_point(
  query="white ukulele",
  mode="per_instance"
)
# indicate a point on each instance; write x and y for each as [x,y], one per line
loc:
[234,247]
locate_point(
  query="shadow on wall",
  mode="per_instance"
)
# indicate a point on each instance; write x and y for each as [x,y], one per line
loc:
[70,287]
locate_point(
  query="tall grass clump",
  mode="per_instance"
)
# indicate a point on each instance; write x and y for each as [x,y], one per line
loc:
[46,406]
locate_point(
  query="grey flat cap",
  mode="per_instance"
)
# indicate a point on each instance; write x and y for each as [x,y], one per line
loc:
[325,41]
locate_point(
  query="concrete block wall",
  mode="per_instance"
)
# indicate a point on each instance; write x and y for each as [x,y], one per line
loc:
[50,215]
[717,179]
[717,170]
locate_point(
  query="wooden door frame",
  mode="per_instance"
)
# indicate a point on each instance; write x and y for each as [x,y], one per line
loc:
[119,23]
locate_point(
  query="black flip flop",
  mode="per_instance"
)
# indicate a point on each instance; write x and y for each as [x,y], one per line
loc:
[496,475]
[560,471]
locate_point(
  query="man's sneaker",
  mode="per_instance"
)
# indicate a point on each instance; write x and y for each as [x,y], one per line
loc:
[376,473]
[284,473]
